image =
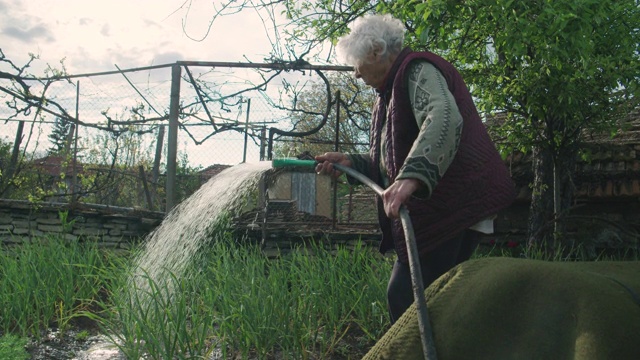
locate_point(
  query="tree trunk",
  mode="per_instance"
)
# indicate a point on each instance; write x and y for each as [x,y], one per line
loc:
[546,229]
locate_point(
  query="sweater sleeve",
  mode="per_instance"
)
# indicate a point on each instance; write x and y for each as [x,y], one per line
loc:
[359,163]
[440,125]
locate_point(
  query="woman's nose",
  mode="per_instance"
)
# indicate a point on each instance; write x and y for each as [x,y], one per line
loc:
[356,74]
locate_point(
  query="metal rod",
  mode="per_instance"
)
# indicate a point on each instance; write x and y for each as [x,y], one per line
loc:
[74,175]
[196,87]
[137,91]
[336,148]
[246,132]
[172,140]
[278,66]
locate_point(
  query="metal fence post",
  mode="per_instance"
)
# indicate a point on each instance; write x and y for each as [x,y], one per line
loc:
[74,129]
[172,141]
[246,132]
[336,148]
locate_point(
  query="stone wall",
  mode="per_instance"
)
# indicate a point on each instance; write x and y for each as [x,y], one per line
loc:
[604,224]
[113,227]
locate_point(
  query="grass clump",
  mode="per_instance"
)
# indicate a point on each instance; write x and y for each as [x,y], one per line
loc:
[13,347]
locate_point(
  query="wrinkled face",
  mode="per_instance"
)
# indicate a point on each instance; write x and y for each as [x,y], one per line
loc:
[372,73]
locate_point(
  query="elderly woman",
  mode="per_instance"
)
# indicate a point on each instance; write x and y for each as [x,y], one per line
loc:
[429,149]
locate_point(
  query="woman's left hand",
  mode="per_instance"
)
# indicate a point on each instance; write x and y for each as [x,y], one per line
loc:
[397,194]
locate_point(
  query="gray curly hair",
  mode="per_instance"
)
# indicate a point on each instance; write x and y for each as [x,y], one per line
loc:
[383,34]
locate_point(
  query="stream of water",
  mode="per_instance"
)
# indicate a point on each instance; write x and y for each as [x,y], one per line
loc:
[170,247]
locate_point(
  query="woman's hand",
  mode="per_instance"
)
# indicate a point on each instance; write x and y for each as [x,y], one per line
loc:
[326,161]
[397,194]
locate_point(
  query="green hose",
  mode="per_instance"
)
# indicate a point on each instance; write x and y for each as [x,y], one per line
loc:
[293,162]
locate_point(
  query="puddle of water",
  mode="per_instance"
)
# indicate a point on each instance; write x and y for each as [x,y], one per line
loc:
[101,349]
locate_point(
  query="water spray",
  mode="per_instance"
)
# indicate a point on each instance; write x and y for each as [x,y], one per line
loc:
[426,333]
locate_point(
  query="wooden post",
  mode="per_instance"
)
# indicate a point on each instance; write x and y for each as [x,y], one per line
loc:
[143,177]
[172,141]
[155,173]
[263,142]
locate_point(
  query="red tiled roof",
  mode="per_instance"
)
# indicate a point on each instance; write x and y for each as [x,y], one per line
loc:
[53,165]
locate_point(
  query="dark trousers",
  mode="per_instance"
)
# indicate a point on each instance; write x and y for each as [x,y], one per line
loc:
[432,265]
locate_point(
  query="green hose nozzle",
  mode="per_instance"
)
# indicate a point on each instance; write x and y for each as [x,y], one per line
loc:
[293,162]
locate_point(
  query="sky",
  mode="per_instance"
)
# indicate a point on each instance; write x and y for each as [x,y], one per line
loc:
[94,36]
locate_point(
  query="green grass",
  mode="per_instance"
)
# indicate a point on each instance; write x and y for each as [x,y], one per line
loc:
[313,303]
[558,252]
[13,347]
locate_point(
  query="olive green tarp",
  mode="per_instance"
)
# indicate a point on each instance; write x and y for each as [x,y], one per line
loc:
[505,308]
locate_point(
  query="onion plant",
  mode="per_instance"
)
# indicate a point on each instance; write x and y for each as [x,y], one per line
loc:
[238,303]
[47,283]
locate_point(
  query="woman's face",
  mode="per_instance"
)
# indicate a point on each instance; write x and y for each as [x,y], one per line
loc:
[373,72]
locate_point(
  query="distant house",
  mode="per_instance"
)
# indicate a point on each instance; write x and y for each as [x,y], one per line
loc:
[57,166]
[56,173]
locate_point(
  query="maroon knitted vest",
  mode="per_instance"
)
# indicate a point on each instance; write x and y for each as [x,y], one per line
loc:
[477,183]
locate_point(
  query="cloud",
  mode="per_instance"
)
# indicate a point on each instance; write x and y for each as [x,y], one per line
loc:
[29,35]
[106,30]
[151,23]
[168,57]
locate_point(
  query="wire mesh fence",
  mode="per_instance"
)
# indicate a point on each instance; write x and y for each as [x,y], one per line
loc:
[149,137]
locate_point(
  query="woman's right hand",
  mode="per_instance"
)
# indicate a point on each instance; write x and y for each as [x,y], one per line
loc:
[326,161]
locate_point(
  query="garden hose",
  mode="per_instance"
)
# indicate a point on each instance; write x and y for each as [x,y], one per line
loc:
[426,334]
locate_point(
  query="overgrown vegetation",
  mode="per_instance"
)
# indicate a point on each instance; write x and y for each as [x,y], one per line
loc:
[313,303]
[99,177]
[239,302]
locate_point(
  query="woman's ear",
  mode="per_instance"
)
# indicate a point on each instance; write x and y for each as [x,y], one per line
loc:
[378,49]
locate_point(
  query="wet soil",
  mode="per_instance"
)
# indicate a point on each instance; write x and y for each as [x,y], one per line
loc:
[73,345]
